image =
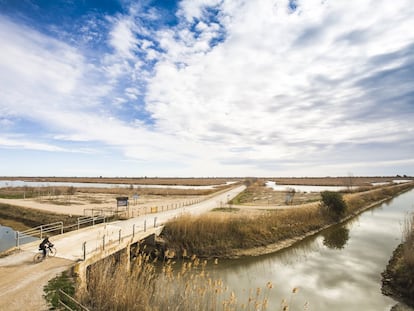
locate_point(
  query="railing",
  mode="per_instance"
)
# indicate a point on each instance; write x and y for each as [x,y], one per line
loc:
[116,237]
[69,303]
[108,212]
[39,231]
[90,219]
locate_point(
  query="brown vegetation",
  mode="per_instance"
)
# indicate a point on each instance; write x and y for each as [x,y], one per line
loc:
[149,286]
[20,218]
[132,181]
[54,192]
[218,236]
[337,181]
[258,194]
[398,278]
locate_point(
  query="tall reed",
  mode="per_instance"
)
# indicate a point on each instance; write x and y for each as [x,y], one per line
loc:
[217,236]
[149,286]
[408,248]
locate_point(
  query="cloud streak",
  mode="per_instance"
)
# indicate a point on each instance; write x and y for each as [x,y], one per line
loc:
[223,88]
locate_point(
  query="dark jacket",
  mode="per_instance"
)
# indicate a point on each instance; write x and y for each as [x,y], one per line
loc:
[45,243]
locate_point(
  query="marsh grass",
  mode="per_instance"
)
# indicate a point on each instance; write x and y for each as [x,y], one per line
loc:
[359,200]
[398,278]
[152,286]
[216,236]
[29,218]
[209,236]
[408,238]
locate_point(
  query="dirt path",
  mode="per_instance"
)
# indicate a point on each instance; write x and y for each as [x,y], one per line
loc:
[22,282]
[79,204]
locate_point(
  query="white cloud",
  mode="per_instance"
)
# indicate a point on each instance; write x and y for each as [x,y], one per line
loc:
[16,142]
[281,80]
[122,38]
[256,89]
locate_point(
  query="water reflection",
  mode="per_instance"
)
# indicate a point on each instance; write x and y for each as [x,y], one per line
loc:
[338,269]
[336,238]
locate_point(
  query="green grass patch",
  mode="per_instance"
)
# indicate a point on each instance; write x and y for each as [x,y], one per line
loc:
[62,282]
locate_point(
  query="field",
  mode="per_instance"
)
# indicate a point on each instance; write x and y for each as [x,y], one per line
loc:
[78,201]
[131,181]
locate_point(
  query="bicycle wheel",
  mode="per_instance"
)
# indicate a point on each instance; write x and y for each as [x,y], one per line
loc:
[38,258]
[52,252]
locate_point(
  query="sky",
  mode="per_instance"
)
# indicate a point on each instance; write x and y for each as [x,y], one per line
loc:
[206,88]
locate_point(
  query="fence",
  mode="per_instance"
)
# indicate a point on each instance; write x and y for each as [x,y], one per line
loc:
[69,303]
[56,227]
[116,236]
[39,231]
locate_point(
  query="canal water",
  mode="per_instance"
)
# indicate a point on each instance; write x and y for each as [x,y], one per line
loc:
[337,269]
[8,238]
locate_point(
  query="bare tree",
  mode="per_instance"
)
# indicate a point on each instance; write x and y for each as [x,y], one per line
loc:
[350,181]
[290,194]
[70,191]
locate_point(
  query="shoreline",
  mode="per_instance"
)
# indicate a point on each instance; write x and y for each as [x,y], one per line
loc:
[390,285]
[280,245]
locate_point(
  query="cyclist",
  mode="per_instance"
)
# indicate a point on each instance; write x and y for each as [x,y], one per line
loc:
[45,243]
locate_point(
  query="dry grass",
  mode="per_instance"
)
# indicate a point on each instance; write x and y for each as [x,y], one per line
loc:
[24,218]
[398,278]
[132,181]
[408,236]
[217,236]
[337,181]
[356,201]
[55,192]
[149,286]
[258,194]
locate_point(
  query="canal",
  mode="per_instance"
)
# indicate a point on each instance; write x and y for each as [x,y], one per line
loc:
[337,269]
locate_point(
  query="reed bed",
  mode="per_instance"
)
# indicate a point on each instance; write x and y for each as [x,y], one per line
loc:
[150,286]
[408,248]
[218,236]
[398,277]
[359,200]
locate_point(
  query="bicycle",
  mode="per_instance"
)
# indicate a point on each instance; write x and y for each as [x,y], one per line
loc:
[50,252]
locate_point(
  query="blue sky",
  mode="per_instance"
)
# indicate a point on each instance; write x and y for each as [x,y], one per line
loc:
[206,88]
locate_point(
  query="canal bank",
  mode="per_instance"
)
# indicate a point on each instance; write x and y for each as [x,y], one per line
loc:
[239,235]
[336,269]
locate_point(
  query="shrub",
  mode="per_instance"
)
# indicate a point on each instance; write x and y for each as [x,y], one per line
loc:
[334,203]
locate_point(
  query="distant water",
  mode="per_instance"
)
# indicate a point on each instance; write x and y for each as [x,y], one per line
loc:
[8,238]
[303,188]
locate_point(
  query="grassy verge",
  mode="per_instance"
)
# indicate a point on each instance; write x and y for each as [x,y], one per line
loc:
[218,236]
[20,218]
